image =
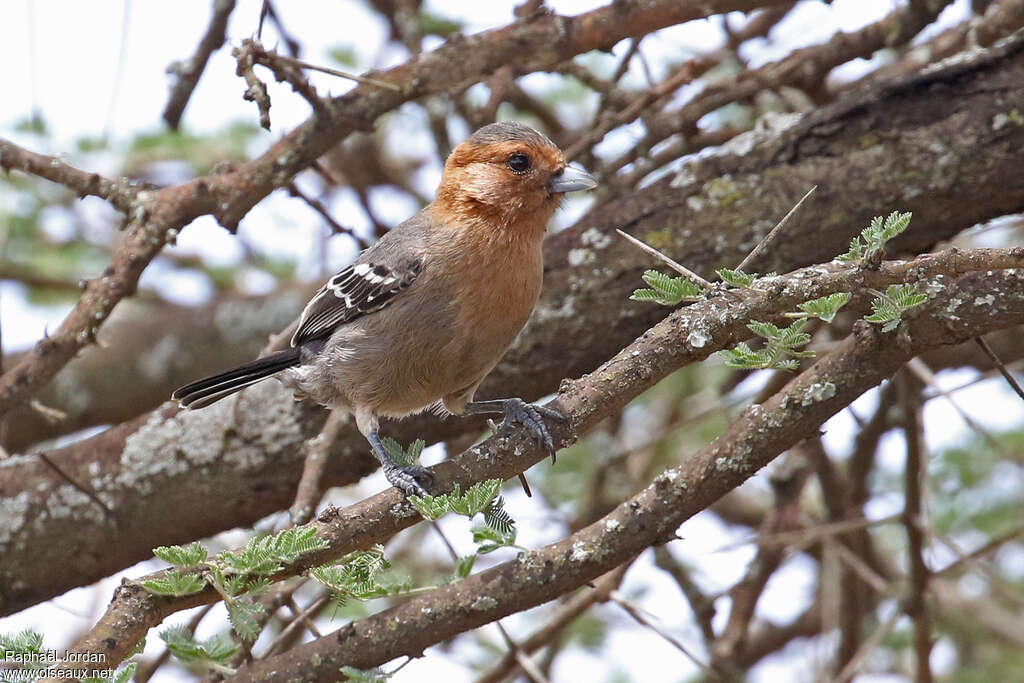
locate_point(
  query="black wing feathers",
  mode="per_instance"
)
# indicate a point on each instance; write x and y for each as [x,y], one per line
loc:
[209,390]
[357,290]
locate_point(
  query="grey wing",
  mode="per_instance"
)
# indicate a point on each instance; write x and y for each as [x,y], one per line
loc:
[360,289]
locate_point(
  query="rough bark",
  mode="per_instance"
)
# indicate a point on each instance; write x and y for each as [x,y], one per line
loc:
[146,351]
[751,441]
[901,146]
[154,216]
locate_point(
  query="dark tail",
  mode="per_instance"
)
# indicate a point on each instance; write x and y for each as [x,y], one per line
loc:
[203,392]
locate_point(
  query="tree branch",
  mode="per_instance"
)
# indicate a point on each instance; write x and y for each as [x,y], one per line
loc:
[949,166]
[122,194]
[651,517]
[156,217]
[187,72]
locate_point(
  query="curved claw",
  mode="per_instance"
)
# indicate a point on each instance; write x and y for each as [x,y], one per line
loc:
[532,417]
[407,479]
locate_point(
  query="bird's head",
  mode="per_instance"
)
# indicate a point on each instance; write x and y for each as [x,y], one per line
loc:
[510,175]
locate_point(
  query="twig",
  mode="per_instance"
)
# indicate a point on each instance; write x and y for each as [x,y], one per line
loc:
[803,67]
[865,649]
[256,90]
[115,89]
[121,193]
[808,535]
[249,53]
[521,657]
[317,451]
[294,47]
[702,606]
[318,206]
[189,70]
[637,613]
[604,124]
[565,615]
[52,416]
[925,374]
[82,488]
[992,545]
[679,268]
[913,519]
[1007,593]
[337,72]
[301,617]
[529,667]
[147,669]
[774,231]
[861,568]
[1010,379]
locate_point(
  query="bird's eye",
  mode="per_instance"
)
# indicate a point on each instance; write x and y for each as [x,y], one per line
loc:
[519,163]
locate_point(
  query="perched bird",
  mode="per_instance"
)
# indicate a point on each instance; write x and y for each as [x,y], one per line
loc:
[425,314]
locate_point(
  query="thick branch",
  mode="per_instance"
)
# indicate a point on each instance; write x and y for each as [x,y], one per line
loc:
[651,517]
[951,166]
[746,446]
[531,45]
[145,351]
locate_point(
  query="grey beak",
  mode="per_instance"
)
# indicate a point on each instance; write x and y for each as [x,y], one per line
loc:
[571,179]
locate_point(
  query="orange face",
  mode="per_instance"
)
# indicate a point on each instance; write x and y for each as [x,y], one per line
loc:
[510,173]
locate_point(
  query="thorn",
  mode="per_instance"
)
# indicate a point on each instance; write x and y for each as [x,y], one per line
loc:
[774,231]
[679,268]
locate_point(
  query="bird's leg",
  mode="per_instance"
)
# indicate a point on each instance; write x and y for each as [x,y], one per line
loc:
[405,479]
[516,410]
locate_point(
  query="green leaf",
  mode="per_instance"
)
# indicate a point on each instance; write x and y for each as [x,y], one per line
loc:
[179,556]
[465,566]
[651,295]
[781,347]
[33,124]
[889,308]
[183,645]
[266,555]
[243,615]
[122,675]
[431,507]
[826,307]
[767,330]
[736,278]
[744,358]
[26,646]
[794,336]
[365,675]
[667,291]
[357,576]
[125,673]
[345,55]
[874,237]
[26,641]
[476,499]
[257,586]
[430,23]
[497,518]
[489,539]
[895,223]
[175,583]
[403,457]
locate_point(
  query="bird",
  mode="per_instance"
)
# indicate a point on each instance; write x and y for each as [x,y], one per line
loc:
[422,316]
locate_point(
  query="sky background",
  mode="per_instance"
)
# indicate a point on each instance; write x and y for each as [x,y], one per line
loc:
[98,69]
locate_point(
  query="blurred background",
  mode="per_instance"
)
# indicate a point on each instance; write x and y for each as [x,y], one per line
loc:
[90,83]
